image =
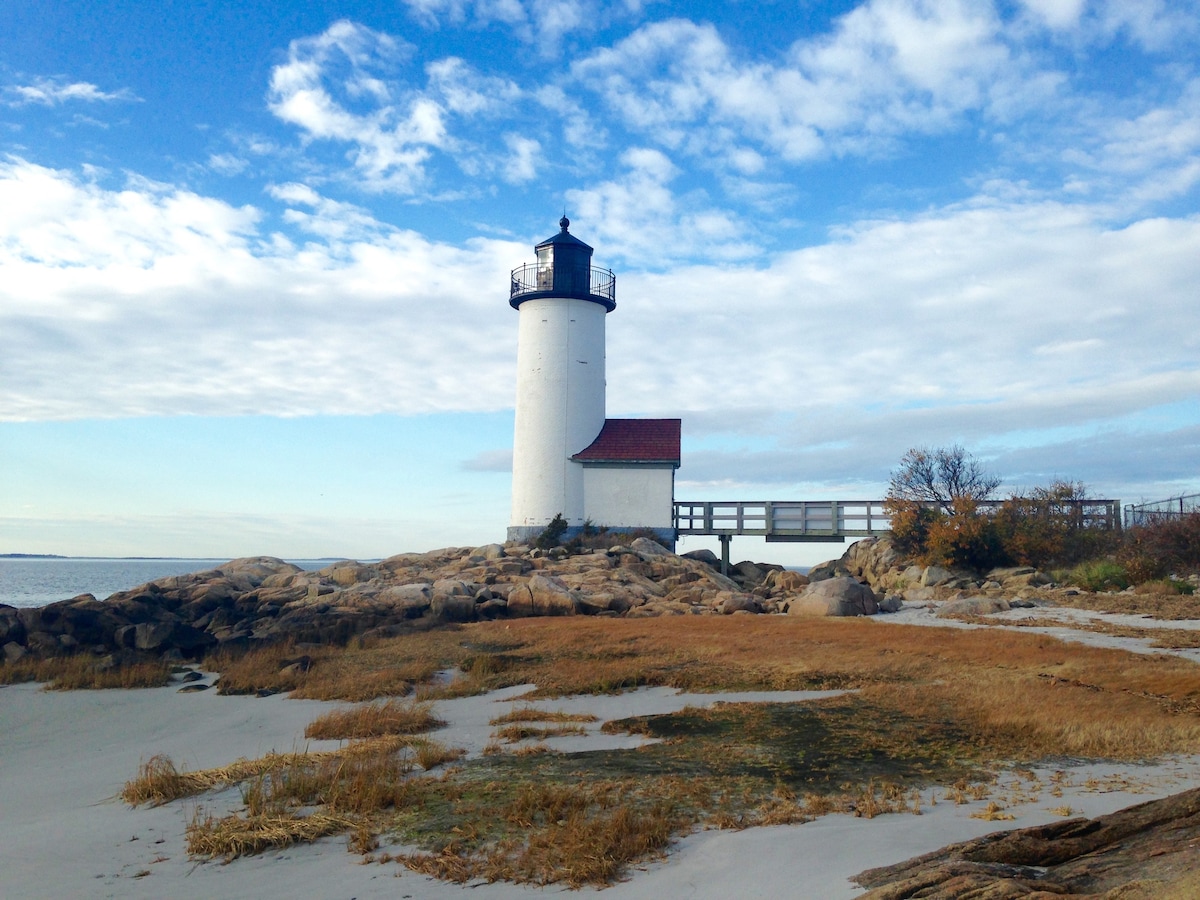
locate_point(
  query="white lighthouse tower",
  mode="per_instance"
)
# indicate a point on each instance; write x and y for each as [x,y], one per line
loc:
[562,302]
[567,458]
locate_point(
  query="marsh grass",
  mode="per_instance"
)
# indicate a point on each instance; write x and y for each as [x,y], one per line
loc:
[323,673]
[932,708]
[578,834]
[159,781]
[514,733]
[234,836]
[374,720]
[526,723]
[81,672]
[1160,638]
[1152,603]
[531,714]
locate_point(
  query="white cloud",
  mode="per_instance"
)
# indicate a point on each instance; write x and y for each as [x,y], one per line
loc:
[1161,145]
[340,86]
[151,301]
[1056,14]
[969,322]
[638,217]
[227,163]
[1152,24]
[888,67]
[1002,322]
[392,142]
[522,164]
[58,90]
[542,23]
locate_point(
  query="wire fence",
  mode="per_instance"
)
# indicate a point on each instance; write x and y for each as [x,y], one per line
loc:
[1171,508]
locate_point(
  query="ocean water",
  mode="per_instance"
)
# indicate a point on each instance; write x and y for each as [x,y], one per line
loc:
[36,582]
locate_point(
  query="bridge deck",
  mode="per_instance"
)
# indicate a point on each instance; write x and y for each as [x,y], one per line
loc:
[784,520]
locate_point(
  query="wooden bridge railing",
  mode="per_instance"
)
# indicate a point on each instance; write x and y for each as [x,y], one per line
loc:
[784,520]
[834,520]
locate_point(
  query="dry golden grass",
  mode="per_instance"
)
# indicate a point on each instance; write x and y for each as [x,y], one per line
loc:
[71,673]
[323,674]
[1024,695]
[1153,604]
[514,733]
[530,714]
[578,834]
[1160,638]
[374,720]
[234,836]
[993,812]
[931,707]
[159,781]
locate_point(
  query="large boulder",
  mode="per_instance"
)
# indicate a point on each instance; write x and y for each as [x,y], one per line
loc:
[838,596]
[648,549]
[453,607]
[705,556]
[785,581]
[1143,851]
[932,576]
[348,572]
[543,595]
[740,603]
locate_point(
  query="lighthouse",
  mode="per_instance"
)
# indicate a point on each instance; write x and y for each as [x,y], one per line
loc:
[568,459]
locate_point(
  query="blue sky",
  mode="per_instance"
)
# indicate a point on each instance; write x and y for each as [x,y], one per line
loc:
[253,257]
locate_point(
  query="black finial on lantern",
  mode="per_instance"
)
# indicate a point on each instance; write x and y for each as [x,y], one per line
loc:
[564,222]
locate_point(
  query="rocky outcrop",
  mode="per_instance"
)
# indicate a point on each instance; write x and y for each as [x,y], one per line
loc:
[875,562]
[258,600]
[1142,852]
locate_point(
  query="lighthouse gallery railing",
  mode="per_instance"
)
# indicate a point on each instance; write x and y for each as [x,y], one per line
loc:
[533,279]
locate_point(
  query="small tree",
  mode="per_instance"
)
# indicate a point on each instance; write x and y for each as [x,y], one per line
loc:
[552,534]
[932,501]
[940,478]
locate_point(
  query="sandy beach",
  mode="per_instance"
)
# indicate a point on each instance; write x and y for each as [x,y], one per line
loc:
[64,756]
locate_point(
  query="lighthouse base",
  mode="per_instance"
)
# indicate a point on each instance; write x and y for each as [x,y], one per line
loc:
[527,534]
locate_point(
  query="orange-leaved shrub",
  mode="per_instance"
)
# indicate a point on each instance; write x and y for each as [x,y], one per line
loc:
[1165,545]
[1047,527]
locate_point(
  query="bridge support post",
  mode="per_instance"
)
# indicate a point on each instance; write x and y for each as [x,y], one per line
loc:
[725,540]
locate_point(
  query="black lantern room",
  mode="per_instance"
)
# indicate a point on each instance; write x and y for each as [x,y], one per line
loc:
[563,269]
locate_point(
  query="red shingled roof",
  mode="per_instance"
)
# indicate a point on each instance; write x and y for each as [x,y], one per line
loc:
[634,441]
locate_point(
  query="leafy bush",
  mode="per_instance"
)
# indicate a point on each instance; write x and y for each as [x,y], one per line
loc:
[964,539]
[1046,527]
[1099,575]
[1167,545]
[911,522]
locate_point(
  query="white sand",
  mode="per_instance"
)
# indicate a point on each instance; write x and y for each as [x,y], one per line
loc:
[63,833]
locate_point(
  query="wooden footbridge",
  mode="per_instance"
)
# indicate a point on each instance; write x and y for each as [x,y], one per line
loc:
[829,520]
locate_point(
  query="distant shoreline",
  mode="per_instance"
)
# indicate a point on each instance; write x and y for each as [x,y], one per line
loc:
[198,558]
